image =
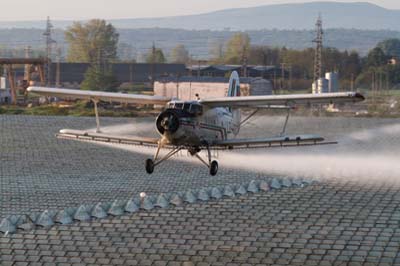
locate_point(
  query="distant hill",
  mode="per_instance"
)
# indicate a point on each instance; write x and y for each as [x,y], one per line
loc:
[359,15]
[199,42]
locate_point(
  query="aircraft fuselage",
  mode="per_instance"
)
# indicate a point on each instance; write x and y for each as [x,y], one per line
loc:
[191,124]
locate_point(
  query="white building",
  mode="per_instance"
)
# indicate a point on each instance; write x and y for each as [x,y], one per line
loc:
[326,85]
[186,88]
[333,81]
[5,91]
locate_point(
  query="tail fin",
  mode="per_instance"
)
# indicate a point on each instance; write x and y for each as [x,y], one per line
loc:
[233,91]
[234,85]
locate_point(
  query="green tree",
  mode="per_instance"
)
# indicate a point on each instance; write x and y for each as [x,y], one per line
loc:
[179,54]
[94,42]
[390,47]
[237,48]
[264,55]
[155,55]
[99,79]
[376,57]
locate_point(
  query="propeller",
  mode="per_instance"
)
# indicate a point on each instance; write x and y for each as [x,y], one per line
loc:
[167,121]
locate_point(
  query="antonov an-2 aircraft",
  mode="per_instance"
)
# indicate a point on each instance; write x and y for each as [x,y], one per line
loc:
[203,124]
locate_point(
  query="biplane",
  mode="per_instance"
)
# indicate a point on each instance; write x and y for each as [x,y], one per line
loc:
[201,124]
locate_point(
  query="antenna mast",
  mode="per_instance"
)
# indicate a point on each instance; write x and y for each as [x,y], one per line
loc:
[318,50]
[49,42]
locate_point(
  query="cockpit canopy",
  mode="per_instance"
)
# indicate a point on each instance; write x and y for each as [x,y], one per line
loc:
[192,108]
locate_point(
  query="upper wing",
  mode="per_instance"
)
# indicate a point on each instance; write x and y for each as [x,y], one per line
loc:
[287,100]
[99,95]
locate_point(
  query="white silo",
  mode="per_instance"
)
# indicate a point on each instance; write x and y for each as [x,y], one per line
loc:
[333,81]
[322,85]
[314,88]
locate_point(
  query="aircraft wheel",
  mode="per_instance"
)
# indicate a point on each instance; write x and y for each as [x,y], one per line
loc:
[149,166]
[213,168]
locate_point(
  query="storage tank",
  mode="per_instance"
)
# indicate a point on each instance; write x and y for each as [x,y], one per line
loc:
[322,85]
[333,81]
[3,83]
[260,86]
[314,88]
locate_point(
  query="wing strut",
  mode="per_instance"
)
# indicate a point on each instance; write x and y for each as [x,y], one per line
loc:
[97,115]
[286,122]
[250,116]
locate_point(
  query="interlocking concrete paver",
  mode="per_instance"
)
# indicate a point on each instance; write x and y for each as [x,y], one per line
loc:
[335,222]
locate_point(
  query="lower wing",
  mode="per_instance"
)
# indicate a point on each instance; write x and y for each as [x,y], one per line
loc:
[91,136]
[281,141]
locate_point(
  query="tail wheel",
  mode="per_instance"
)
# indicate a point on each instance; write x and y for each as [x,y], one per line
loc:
[214,168]
[149,166]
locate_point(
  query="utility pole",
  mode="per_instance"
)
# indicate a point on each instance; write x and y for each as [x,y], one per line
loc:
[198,68]
[244,62]
[290,77]
[352,82]
[283,76]
[58,70]
[264,65]
[191,65]
[153,63]
[318,50]
[49,42]
[387,82]
[27,72]
[11,79]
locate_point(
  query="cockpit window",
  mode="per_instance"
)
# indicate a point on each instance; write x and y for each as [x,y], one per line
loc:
[178,105]
[192,108]
[196,109]
[186,107]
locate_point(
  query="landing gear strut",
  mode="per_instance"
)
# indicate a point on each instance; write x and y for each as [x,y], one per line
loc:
[151,163]
[212,165]
[194,151]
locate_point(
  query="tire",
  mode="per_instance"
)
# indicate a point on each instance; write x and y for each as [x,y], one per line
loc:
[149,166]
[214,168]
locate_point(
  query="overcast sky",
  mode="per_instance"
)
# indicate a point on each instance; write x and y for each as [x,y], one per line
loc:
[107,9]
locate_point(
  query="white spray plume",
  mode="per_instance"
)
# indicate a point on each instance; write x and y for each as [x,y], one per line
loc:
[371,154]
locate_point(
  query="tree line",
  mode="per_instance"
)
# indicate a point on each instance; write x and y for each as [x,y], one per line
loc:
[96,42]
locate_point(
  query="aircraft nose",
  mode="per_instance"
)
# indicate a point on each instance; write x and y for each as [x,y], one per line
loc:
[167,121]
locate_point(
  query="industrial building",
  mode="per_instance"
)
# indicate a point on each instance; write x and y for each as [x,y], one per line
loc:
[187,88]
[326,85]
[267,72]
[71,75]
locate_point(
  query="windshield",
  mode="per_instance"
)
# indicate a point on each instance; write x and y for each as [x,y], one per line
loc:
[178,105]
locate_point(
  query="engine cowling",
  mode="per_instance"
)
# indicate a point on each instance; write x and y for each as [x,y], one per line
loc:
[167,122]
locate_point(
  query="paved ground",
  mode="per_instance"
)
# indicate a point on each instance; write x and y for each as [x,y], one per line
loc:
[339,221]
[39,171]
